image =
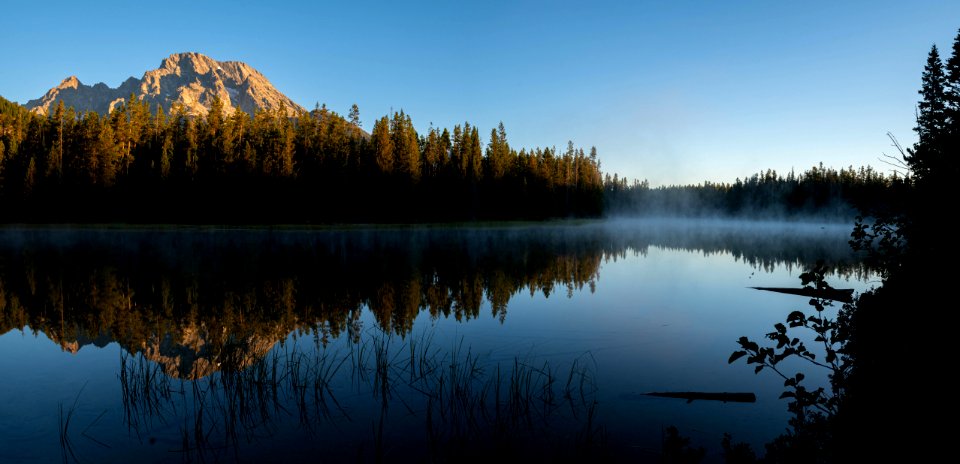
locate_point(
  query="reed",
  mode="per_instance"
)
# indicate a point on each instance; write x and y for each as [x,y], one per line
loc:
[464,402]
[66,446]
[144,390]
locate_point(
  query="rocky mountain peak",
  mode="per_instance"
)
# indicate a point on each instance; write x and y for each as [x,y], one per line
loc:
[191,80]
[190,62]
[69,83]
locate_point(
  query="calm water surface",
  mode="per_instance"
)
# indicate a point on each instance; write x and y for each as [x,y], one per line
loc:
[393,344]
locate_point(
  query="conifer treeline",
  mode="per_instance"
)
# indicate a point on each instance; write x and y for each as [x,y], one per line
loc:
[819,191]
[141,165]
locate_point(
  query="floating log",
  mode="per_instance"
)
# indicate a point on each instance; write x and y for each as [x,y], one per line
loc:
[690,396]
[843,295]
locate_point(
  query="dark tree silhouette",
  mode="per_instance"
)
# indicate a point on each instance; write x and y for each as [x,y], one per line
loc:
[887,349]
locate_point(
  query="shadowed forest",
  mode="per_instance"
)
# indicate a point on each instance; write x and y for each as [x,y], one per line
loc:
[154,166]
[135,165]
[819,192]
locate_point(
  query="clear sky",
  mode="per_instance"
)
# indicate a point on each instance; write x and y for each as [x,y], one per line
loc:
[669,91]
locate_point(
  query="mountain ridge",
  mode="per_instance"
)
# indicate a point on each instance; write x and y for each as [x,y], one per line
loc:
[189,79]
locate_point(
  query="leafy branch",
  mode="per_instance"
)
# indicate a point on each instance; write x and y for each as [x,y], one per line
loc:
[831,334]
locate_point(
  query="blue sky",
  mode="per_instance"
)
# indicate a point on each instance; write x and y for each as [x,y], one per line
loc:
[669,91]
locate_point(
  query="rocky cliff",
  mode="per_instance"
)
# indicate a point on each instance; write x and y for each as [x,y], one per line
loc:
[188,79]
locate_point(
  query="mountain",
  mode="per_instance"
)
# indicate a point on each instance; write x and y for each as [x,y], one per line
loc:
[189,79]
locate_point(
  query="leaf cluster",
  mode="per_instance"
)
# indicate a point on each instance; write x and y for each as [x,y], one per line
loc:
[830,336]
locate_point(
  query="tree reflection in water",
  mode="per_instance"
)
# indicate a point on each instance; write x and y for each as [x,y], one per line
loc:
[233,338]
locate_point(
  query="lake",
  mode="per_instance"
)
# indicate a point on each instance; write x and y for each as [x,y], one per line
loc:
[441,343]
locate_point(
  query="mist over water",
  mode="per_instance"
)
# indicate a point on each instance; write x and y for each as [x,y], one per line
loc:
[628,306]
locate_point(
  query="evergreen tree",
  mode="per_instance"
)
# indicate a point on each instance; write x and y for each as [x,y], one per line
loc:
[498,153]
[184,163]
[262,141]
[953,89]
[212,139]
[84,165]
[30,178]
[338,135]
[382,146]
[285,142]
[474,153]
[431,154]
[249,160]
[54,162]
[457,152]
[3,166]
[931,118]
[139,117]
[108,156]
[309,141]
[159,143]
[445,145]
[238,123]
[406,147]
[166,157]
[355,115]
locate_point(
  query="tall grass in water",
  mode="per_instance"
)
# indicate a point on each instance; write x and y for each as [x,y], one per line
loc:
[396,398]
[66,446]
[67,451]
[145,390]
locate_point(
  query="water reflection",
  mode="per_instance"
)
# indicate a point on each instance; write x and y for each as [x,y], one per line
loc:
[385,398]
[257,343]
[195,301]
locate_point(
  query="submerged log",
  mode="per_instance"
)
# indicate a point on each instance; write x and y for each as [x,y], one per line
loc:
[690,396]
[843,295]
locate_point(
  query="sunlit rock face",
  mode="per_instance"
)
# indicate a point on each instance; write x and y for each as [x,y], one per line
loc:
[188,79]
[191,351]
[197,352]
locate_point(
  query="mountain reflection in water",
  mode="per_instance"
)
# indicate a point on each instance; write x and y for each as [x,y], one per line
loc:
[268,322]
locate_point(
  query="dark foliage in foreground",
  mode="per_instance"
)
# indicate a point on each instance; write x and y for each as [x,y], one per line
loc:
[889,347]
